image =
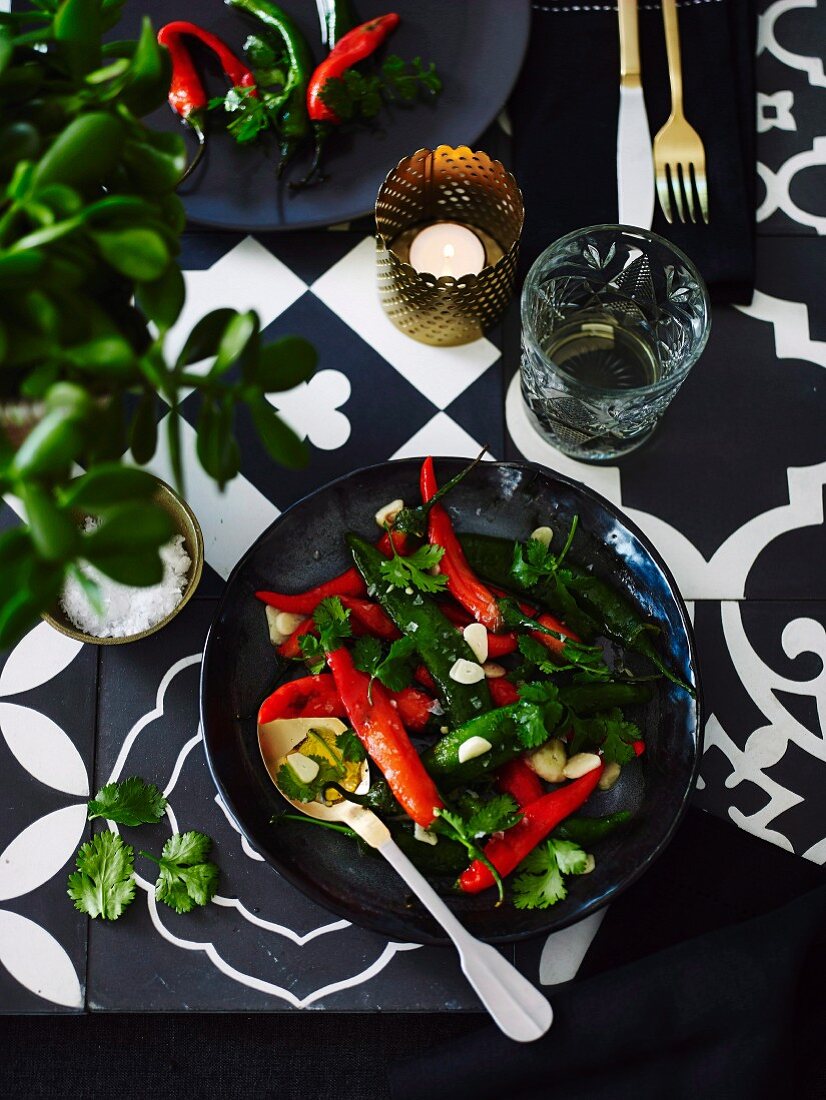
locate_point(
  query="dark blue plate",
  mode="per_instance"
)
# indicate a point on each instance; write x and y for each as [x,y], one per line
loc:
[304,547]
[478,50]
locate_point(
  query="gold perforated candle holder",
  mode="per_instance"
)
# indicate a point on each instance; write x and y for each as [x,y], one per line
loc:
[447,185]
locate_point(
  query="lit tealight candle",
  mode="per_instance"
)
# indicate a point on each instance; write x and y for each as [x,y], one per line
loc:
[447,248]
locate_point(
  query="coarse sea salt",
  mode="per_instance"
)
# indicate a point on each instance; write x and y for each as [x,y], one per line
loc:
[128,609]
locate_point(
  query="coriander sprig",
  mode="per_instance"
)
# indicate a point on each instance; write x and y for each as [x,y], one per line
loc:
[457,828]
[412,571]
[356,95]
[394,669]
[534,561]
[104,883]
[541,883]
[129,802]
[186,877]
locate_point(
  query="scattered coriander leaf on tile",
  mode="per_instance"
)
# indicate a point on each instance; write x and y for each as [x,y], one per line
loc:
[103,884]
[186,877]
[132,801]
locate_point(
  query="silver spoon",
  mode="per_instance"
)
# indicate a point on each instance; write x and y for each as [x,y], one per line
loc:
[515,1005]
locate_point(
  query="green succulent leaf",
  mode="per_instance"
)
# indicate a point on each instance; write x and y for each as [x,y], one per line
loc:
[77,30]
[239,334]
[162,299]
[82,155]
[281,442]
[16,266]
[156,162]
[143,437]
[139,254]
[107,485]
[205,338]
[126,568]
[147,83]
[108,357]
[218,451]
[138,525]
[18,613]
[54,533]
[50,447]
[285,363]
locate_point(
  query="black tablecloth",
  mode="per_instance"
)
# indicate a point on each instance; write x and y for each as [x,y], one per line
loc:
[564,115]
[705,978]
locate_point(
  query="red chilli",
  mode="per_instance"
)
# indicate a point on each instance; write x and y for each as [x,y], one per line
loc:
[462,582]
[507,851]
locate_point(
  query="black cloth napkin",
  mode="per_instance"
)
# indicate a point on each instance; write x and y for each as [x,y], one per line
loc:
[706,978]
[564,115]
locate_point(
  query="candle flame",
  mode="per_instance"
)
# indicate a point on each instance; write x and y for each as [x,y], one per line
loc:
[448,251]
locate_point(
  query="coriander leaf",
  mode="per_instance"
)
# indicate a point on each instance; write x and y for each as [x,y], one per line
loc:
[540,883]
[332,762]
[103,884]
[569,856]
[356,95]
[539,691]
[353,95]
[537,654]
[532,562]
[333,622]
[351,747]
[396,670]
[313,652]
[411,571]
[367,654]
[407,81]
[187,848]
[618,744]
[587,661]
[292,787]
[270,65]
[540,888]
[493,816]
[299,791]
[186,877]
[529,723]
[129,802]
[457,828]
[545,695]
[252,112]
[608,731]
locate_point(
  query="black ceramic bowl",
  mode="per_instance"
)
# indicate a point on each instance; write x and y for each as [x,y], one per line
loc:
[304,547]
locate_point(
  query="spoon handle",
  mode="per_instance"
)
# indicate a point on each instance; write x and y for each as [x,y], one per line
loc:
[516,1006]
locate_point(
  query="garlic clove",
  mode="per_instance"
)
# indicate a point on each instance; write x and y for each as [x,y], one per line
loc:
[476,636]
[466,672]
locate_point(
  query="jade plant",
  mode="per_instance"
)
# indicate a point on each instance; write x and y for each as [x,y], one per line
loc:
[90,286]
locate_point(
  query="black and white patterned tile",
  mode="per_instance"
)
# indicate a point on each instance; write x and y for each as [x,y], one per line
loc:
[790,103]
[47,726]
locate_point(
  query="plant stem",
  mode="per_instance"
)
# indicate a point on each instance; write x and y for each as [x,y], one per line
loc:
[345,829]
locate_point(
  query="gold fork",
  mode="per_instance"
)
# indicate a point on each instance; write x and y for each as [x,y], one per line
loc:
[679,154]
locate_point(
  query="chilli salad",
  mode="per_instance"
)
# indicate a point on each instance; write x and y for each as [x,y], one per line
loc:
[468,671]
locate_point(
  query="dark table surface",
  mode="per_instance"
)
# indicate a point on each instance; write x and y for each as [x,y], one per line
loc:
[730,490]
